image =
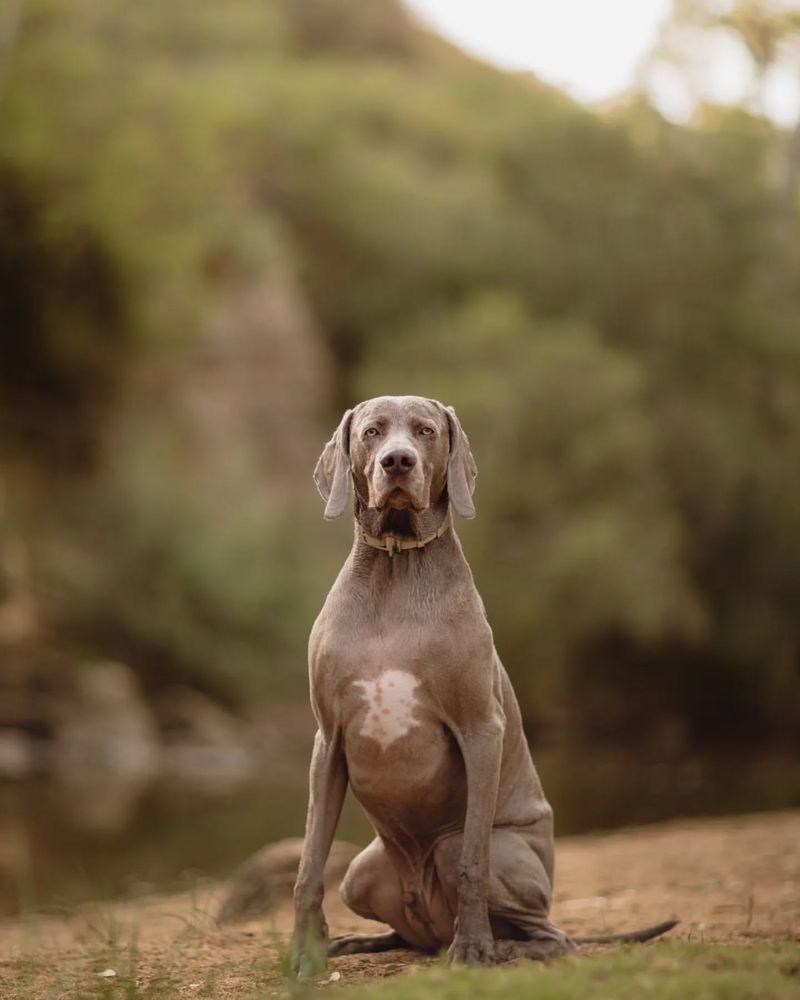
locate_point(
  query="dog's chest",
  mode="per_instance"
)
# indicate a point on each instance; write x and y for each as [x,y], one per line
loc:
[383,686]
[389,707]
[398,750]
[386,687]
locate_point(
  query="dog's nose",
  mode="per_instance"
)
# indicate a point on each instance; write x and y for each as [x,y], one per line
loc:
[399,461]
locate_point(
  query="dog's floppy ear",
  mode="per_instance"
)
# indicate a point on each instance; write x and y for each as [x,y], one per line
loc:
[332,474]
[461,468]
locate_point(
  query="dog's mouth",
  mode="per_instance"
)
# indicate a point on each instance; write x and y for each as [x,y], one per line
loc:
[398,499]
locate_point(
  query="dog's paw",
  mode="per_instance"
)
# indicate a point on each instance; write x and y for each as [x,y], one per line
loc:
[309,950]
[308,963]
[471,951]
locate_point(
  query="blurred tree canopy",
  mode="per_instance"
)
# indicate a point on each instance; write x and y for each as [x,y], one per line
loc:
[609,300]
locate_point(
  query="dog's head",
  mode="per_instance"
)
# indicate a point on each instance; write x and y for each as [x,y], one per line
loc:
[401,453]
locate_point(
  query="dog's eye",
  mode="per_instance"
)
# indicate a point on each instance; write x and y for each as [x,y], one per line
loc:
[426,431]
[371,432]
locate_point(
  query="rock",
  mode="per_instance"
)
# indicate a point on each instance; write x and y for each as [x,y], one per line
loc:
[267,878]
[259,366]
[17,759]
[203,743]
[19,609]
[107,727]
[106,750]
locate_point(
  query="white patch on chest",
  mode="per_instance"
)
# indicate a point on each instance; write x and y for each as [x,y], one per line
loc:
[390,706]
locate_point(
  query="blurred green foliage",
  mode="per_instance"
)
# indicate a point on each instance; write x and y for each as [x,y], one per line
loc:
[207,596]
[610,301]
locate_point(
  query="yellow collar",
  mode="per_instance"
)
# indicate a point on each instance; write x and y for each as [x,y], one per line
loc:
[394,546]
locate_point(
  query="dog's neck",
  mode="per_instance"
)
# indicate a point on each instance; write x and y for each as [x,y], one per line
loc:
[414,580]
[408,525]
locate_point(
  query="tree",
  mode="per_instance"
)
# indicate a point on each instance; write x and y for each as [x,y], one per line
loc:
[767,30]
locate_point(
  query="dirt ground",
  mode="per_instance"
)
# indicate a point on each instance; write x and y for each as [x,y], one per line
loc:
[729,880]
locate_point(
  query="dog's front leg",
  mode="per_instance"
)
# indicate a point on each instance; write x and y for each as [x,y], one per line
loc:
[482,749]
[327,787]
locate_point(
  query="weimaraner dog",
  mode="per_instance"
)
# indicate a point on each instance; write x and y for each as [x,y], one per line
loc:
[416,711]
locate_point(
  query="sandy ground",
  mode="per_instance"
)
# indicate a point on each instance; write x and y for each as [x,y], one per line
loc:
[733,880]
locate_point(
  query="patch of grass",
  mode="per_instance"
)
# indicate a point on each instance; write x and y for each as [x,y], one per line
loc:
[140,978]
[193,964]
[662,971]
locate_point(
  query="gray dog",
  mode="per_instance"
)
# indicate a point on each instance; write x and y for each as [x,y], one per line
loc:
[416,711]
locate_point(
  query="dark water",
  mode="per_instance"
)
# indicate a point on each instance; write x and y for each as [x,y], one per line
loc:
[63,845]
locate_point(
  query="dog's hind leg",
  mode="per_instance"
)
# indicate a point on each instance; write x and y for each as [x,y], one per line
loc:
[519,896]
[372,889]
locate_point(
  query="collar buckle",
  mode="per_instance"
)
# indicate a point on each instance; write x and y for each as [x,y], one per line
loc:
[393,546]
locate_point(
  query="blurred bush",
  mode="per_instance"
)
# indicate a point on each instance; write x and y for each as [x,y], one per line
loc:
[609,300]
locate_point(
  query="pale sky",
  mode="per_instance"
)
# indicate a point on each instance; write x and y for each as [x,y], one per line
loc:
[591,49]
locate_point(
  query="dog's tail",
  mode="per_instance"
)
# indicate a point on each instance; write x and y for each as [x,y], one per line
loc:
[645,934]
